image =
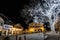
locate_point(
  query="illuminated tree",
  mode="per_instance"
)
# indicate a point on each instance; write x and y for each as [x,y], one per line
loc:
[41,9]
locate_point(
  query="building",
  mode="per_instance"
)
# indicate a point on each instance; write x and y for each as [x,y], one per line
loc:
[1,25]
[57,26]
[17,29]
[36,27]
[13,30]
[1,21]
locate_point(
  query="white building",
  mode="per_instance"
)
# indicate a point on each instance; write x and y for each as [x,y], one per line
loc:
[1,21]
[1,25]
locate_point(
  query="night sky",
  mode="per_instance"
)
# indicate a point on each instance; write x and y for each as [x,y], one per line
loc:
[11,9]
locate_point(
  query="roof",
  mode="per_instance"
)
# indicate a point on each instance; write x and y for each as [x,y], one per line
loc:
[35,24]
[1,19]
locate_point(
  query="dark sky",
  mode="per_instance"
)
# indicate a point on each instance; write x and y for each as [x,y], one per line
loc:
[11,9]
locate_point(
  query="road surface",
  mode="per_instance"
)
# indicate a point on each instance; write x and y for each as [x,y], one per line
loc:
[53,36]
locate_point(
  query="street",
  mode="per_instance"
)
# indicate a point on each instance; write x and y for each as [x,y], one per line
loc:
[37,36]
[53,37]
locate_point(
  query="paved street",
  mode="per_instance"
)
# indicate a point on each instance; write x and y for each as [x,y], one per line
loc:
[38,36]
[53,36]
[34,36]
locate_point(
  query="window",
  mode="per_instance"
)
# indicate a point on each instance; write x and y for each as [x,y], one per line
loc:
[9,31]
[39,30]
[4,32]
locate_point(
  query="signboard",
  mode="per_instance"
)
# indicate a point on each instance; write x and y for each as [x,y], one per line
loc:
[8,26]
